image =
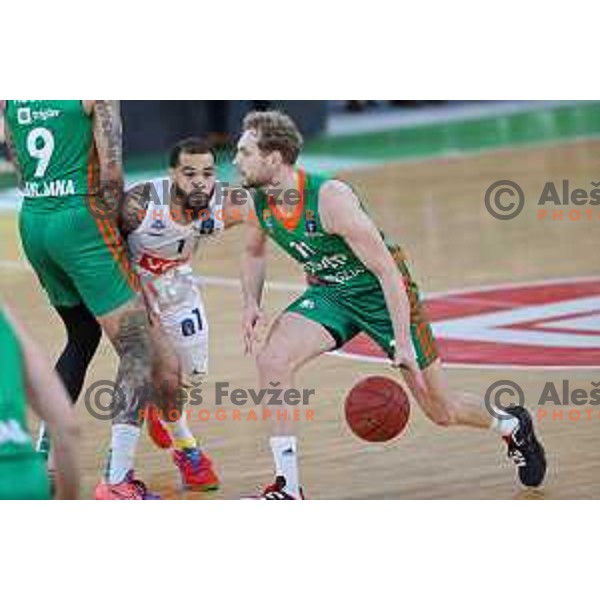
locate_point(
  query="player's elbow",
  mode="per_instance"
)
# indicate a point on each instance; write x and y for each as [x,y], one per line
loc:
[386,273]
[112,176]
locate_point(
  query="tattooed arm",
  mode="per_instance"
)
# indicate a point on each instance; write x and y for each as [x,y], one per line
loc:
[108,136]
[133,209]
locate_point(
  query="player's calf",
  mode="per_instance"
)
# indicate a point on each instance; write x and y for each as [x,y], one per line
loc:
[129,331]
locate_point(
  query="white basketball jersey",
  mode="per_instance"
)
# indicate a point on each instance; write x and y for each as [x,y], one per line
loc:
[160,243]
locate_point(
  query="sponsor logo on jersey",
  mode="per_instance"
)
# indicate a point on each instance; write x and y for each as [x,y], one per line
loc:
[268,219]
[207,226]
[44,115]
[24,116]
[158,225]
[311,227]
[49,189]
[157,265]
[307,303]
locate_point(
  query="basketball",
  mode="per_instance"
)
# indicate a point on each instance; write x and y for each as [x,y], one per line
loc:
[377,409]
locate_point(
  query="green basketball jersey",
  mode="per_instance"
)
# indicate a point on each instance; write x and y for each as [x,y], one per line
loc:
[15,440]
[55,149]
[325,257]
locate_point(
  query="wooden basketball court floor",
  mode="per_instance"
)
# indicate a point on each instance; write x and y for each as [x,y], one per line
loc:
[436,210]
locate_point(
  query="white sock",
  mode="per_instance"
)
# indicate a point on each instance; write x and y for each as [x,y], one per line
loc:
[504,426]
[122,452]
[286,461]
[183,438]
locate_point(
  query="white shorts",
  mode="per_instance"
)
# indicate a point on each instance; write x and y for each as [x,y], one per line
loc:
[186,326]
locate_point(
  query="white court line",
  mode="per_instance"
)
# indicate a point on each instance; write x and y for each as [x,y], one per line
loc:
[481,367]
[278,286]
[288,286]
[284,286]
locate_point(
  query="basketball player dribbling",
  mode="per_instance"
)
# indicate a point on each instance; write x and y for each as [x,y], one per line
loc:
[357,282]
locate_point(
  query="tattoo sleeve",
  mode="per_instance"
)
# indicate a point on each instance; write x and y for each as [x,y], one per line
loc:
[133,208]
[133,344]
[108,136]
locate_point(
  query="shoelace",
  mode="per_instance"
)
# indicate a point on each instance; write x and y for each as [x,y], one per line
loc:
[517,457]
[140,486]
[276,491]
[276,495]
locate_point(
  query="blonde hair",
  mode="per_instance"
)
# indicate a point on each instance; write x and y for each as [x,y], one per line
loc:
[276,132]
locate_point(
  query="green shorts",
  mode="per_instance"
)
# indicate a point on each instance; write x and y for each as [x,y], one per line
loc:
[345,313]
[79,259]
[24,478]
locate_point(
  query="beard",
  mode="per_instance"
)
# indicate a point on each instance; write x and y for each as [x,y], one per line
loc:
[255,182]
[194,202]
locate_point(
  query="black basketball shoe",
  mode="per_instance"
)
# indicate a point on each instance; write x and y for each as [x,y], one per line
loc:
[525,449]
[276,491]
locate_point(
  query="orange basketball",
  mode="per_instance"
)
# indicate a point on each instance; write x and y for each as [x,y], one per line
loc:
[377,409]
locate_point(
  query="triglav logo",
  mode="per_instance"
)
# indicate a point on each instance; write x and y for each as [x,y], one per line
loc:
[24,116]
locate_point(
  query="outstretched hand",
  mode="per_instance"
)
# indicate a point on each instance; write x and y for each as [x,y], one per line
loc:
[253,320]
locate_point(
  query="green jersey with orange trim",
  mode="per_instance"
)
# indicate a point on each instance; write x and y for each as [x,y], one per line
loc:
[325,257]
[55,151]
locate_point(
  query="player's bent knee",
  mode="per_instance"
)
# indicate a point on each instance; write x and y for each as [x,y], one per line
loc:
[273,362]
[83,332]
[112,321]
